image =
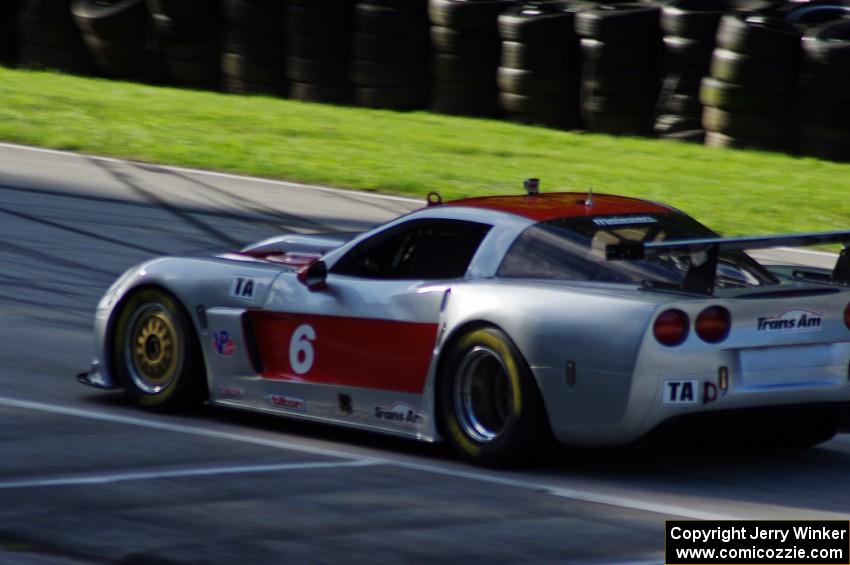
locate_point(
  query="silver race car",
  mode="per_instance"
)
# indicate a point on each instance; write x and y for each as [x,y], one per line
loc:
[496,324]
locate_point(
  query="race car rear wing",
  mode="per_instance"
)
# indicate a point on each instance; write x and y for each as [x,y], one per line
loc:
[704,253]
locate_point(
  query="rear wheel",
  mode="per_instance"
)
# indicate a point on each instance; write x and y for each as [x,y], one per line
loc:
[490,407]
[156,353]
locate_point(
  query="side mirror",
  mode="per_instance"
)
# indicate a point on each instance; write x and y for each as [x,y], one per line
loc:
[313,276]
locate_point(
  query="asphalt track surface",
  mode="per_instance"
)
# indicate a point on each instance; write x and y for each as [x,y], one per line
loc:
[86,478]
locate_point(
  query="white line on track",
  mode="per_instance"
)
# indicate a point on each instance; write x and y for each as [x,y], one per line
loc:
[479,476]
[71,480]
[203,172]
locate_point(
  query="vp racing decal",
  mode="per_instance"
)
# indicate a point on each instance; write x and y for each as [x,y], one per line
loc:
[224,344]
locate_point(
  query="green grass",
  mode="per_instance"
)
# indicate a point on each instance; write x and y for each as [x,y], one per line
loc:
[736,192]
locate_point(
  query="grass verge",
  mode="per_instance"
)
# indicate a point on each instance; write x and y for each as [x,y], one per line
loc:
[736,192]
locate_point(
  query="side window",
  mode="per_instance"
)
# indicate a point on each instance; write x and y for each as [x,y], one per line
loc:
[421,249]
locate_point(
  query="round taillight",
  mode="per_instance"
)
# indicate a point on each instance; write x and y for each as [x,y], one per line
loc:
[671,327]
[847,316]
[713,324]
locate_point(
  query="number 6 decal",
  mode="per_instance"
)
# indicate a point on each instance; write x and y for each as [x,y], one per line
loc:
[301,352]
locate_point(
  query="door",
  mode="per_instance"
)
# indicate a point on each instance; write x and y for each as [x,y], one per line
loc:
[376,323]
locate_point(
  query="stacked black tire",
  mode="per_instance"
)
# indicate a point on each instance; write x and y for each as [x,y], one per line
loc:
[390,65]
[465,39]
[254,59]
[8,32]
[689,28]
[49,38]
[319,36]
[118,37]
[539,76]
[188,33]
[620,77]
[750,97]
[825,114]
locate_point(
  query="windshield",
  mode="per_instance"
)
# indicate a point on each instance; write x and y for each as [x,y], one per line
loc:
[574,249]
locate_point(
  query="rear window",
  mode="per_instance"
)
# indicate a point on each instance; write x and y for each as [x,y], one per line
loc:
[574,249]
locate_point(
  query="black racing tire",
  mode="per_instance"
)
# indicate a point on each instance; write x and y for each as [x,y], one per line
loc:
[751,126]
[451,68]
[124,58]
[687,136]
[490,409]
[619,22]
[252,44]
[156,354]
[807,15]
[539,57]
[554,104]
[667,124]
[332,73]
[252,70]
[369,73]
[640,53]
[57,34]
[235,85]
[320,19]
[541,23]
[181,8]
[311,92]
[202,73]
[682,105]
[827,113]
[639,124]
[695,19]
[381,49]
[405,97]
[773,76]
[46,9]
[715,139]
[373,19]
[185,51]
[316,48]
[547,120]
[620,80]
[684,52]
[186,29]
[465,44]
[112,20]
[466,16]
[631,104]
[737,98]
[828,45]
[521,81]
[74,61]
[760,36]
[257,15]
[465,98]
[824,142]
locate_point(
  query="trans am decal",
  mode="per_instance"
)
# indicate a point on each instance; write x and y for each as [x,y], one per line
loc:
[792,321]
[398,412]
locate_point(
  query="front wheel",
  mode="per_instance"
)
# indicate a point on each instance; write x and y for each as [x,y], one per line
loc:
[490,407]
[156,353]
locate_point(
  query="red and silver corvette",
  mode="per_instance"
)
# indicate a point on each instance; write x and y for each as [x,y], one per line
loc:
[496,324]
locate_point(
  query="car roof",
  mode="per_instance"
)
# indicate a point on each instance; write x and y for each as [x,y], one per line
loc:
[556,205]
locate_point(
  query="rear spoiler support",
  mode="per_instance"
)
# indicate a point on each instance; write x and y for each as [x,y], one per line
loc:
[704,254]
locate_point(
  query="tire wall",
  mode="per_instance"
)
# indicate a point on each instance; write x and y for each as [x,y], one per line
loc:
[766,74]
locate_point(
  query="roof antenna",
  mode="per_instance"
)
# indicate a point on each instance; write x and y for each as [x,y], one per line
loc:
[589,200]
[532,186]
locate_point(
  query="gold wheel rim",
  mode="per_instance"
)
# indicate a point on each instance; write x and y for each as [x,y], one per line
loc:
[154,349]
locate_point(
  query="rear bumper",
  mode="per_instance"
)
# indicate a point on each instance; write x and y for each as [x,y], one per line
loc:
[779,425]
